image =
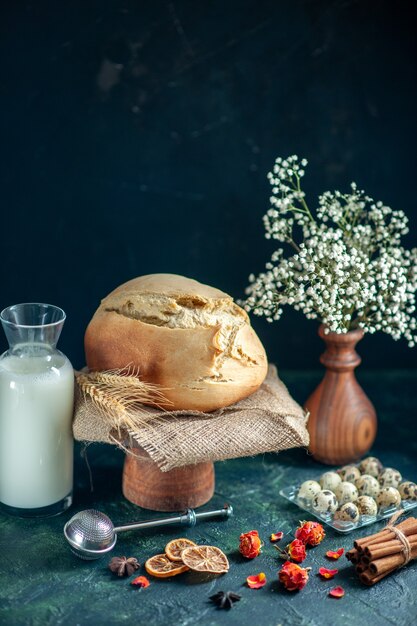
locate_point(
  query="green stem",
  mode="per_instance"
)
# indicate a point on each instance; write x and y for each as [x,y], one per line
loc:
[302,200]
[292,243]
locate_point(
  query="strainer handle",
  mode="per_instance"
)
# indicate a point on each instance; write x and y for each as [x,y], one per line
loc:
[188,518]
[226,511]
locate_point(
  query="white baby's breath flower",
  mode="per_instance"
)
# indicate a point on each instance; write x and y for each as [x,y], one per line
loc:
[348,267]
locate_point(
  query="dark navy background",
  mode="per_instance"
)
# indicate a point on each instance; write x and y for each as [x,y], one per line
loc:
[137,135]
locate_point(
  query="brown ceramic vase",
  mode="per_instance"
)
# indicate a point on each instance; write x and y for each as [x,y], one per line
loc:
[342,422]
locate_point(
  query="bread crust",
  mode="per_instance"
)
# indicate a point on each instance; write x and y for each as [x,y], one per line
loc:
[190,338]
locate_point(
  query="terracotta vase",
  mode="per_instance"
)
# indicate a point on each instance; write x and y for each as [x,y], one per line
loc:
[342,422]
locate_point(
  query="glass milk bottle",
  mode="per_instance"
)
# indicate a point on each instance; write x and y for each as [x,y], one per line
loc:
[36,406]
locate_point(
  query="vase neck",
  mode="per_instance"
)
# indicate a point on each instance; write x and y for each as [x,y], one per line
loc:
[340,354]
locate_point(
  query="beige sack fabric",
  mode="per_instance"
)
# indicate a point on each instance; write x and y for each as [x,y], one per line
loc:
[267,421]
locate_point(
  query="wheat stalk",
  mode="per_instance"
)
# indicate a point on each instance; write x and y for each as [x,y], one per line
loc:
[119,396]
[126,382]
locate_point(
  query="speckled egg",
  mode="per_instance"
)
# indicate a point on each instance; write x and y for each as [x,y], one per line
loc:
[371,466]
[325,502]
[308,490]
[348,512]
[367,505]
[346,492]
[349,473]
[388,496]
[408,490]
[368,486]
[390,477]
[330,480]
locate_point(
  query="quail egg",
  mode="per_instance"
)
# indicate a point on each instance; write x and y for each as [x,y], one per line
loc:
[367,486]
[408,490]
[349,473]
[330,480]
[308,490]
[388,496]
[346,492]
[325,502]
[390,477]
[348,512]
[371,466]
[367,505]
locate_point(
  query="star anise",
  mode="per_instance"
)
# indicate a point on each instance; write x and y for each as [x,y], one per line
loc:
[123,566]
[225,599]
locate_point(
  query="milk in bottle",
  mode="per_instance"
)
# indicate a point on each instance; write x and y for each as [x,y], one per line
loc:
[36,406]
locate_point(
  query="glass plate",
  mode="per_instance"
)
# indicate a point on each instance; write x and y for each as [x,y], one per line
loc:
[290,493]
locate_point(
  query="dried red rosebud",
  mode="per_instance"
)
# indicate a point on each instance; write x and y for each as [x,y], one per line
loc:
[335,554]
[256,581]
[297,551]
[250,544]
[310,533]
[337,592]
[276,537]
[140,581]
[292,576]
[328,573]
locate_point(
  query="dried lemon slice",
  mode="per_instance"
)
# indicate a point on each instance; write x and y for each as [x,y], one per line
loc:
[205,559]
[161,567]
[174,548]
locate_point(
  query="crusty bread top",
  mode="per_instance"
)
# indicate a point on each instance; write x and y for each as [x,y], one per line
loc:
[170,284]
[175,302]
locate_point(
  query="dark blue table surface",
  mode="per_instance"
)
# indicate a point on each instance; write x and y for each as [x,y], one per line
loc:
[42,583]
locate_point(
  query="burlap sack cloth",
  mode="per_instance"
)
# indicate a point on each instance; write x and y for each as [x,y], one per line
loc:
[267,421]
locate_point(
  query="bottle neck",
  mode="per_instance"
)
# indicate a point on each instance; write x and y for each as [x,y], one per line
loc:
[31,349]
[32,328]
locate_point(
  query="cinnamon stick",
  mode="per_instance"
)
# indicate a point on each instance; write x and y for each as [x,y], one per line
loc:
[389,563]
[377,555]
[369,580]
[386,544]
[358,543]
[391,547]
[408,527]
[352,556]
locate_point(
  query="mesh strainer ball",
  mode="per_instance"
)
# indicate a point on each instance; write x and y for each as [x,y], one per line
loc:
[90,534]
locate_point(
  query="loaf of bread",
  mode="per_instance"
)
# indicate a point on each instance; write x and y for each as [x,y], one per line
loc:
[190,338]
